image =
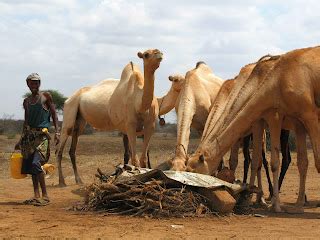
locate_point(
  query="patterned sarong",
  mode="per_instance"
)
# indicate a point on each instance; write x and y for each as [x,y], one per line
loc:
[35,140]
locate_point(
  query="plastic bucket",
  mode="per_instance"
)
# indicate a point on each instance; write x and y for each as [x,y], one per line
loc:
[15,165]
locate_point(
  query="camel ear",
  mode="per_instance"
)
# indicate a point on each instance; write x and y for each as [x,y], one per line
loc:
[171,78]
[140,54]
[201,158]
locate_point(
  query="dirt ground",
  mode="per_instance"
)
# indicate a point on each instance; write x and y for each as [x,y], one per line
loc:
[57,221]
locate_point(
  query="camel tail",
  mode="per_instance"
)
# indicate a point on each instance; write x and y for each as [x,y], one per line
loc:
[70,111]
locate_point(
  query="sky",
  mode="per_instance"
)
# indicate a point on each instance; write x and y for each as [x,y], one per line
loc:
[72,43]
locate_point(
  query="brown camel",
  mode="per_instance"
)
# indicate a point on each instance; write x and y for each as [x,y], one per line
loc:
[127,105]
[290,88]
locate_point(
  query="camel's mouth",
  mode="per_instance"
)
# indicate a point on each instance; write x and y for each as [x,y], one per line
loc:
[159,56]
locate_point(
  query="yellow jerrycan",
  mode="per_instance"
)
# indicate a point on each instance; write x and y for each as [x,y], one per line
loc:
[48,168]
[15,165]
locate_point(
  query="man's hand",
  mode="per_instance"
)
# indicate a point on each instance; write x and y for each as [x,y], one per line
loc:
[57,138]
[17,146]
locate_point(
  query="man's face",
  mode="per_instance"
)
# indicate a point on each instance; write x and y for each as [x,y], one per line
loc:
[34,86]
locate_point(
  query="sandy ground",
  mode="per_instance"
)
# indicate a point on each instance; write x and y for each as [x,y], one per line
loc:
[57,221]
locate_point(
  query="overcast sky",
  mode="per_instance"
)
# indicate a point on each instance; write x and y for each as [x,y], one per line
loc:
[72,43]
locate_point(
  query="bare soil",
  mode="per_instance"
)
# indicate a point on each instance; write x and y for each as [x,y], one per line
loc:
[57,221]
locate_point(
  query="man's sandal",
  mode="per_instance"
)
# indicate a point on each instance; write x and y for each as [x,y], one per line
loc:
[30,201]
[40,202]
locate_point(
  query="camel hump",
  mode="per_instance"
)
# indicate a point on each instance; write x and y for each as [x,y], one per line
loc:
[201,70]
[268,57]
[128,70]
[199,63]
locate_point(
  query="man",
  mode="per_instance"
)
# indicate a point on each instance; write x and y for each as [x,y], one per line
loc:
[34,142]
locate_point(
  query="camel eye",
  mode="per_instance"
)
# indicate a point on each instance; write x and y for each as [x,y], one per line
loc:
[146,55]
[201,158]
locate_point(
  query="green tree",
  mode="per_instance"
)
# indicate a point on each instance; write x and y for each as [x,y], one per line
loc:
[58,98]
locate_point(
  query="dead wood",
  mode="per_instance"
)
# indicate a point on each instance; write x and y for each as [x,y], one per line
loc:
[152,198]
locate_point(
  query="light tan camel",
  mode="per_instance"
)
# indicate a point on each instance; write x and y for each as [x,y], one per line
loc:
[127,105]
[290,88]
[193,105]
[166,104]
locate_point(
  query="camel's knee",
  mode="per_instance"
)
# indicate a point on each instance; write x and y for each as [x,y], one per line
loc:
[318,167]
[302,165]
[59,155]
[72,154]
[275,166]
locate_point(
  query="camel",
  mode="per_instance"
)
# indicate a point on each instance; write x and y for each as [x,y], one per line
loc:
[193,105]
[165,103]
[127,105]
[289,88]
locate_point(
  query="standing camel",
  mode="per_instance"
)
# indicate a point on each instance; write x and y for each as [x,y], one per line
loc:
[165,103]
[128,105]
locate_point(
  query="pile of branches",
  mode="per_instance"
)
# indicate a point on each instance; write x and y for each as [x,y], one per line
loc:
[153,198]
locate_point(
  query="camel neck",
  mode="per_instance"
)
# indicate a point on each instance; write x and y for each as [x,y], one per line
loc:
[167,102]
[148,90]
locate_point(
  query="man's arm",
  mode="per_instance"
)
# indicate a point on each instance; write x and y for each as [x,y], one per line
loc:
[25,106]
[52,109]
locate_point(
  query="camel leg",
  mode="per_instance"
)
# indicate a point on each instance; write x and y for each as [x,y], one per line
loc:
[302,162]
[274,121]
[312,126]
[286,157]
[266,168]
[126,156]
[266,164]
[63,139]
[233,160]
[78,127]
[148,131]
[257,132]
[131,133]
[247,159]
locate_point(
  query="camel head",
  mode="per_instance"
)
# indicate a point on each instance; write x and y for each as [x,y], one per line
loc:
[177,82]
[151,59]
[197,163]
[178,164]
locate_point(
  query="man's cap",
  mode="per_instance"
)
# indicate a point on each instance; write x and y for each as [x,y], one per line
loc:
[34,77]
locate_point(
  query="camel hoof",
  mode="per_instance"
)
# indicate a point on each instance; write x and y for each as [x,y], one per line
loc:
[294,210]
[261,202]
[143,165]
[300,204]
[269,199]
[79,182]
[62,184]
[276,209]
